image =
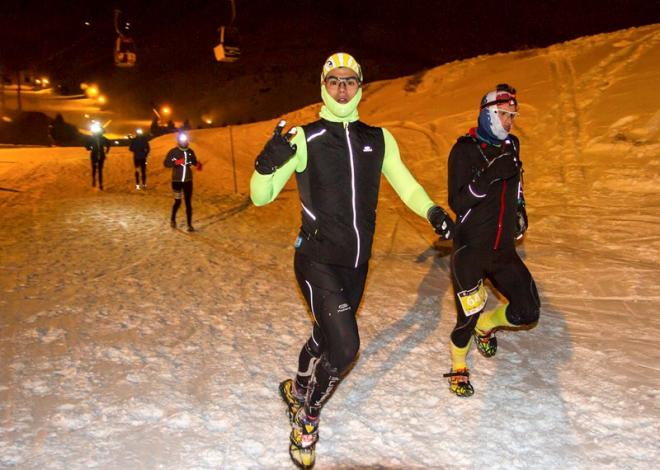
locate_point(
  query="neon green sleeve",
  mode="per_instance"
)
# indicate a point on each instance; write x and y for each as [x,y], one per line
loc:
[398,175]
[265,188]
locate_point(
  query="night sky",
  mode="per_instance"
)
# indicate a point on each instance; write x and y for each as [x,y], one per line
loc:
[283,42]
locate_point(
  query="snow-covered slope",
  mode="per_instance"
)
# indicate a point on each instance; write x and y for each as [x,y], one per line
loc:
[125,344]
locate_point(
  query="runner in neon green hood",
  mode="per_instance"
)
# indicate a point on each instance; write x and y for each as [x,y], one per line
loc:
[341,88]
[338,161]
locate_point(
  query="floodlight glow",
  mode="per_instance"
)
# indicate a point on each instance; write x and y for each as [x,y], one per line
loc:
[92,91]
[102,99]
[166,110]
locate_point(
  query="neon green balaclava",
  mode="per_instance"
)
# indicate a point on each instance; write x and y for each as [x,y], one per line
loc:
[337,112]
[332,110]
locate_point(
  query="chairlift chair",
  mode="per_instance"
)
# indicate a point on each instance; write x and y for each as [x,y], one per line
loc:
[125,55]
[229,48]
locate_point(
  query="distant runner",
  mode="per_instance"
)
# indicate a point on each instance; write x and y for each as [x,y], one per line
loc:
[181,159]
[98,147]
[140,147]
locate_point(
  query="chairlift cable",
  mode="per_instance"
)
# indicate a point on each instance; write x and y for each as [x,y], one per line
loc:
[233,12]
[117,13]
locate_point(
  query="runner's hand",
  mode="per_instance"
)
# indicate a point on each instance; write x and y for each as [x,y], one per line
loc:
[277,151]
[502,168]
[441,222]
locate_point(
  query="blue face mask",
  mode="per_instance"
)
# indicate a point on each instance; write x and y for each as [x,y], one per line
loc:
[490,128]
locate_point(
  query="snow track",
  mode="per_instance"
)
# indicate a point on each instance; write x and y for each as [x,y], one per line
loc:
[125,344]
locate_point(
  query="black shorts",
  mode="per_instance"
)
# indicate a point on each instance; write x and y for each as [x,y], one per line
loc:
[181,189]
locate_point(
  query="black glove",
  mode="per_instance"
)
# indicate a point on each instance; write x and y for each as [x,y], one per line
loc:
[521,219]
[441,222]
[276,152]
[502,168]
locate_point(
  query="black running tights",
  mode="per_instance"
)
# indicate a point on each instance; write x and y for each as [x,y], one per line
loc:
[333,294]
[184,189]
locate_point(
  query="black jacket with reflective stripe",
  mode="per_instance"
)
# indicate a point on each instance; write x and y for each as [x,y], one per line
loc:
[485,220]
[339,191]
[180,172]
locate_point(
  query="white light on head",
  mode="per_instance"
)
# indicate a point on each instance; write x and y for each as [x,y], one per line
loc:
[138,131]
[95,128]
[182,138]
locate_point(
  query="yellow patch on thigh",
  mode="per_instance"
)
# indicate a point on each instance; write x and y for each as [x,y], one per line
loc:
[473,300]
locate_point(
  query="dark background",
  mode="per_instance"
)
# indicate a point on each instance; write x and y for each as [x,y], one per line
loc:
[283,44]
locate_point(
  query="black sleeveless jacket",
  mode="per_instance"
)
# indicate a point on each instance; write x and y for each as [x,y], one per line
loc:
[339,191]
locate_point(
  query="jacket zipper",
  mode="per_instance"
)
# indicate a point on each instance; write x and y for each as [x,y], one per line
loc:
[353,196]
[499,220]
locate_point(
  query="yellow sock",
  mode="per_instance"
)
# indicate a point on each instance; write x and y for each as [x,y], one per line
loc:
[458,356]
[492,319]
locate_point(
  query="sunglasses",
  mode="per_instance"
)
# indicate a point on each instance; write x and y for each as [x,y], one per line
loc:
[510,114]
[350,82]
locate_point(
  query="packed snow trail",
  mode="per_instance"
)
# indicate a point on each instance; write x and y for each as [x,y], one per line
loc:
[125,344]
